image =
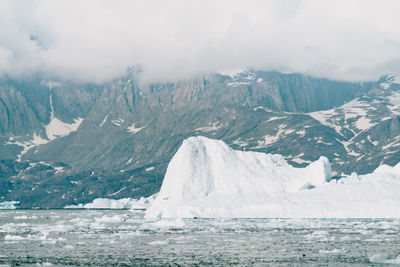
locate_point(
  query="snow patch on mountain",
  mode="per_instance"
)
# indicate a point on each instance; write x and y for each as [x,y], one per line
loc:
[211,127]
[364,123]
[234,84]
[117,122]
[394,143]
[27,145]
[356,116]
[133,128]
[338,118]
[390,79]
[270,139]
[325,118]
[54,129]
[394,99]
[385,85]
[243,78]
[231,72]
[395,78]
[275,118]
[104,121]
[149,169]
[240,142]
[206,178]
[300,160]
[57,128]
[301,132]
[355,108]
[266,110]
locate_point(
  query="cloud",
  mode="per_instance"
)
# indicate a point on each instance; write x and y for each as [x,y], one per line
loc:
[97,40]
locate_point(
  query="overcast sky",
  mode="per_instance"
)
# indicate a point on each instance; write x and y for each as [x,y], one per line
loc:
[97,40]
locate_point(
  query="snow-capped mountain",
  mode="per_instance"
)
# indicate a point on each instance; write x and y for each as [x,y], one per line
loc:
[64,143]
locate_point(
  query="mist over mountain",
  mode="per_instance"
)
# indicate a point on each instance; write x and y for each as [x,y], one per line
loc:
[95,41]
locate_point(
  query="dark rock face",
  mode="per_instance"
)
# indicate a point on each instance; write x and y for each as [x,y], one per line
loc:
[129,131]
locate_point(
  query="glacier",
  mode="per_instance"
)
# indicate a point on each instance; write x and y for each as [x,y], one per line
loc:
[208,179]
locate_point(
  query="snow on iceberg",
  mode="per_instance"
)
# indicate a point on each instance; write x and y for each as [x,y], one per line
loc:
[124,203]
[206,178]
[9,205]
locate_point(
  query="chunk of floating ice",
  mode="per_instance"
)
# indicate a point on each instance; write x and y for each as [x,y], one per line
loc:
[124,203]
[22,217]
[9,205]
[160,243]
[13,237]
[168,223]
[208,179]
[109,219]
[46,264]
[333,251]
[385,259]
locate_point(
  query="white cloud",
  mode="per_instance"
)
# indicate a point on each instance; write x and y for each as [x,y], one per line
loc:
[96,40]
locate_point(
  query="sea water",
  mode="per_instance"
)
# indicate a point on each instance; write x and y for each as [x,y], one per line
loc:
[122,237]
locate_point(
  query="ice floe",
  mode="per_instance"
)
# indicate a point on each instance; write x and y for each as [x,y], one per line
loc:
[384,259]
[9,205]
[124,203]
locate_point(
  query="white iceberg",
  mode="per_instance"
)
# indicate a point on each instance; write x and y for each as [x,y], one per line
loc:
[208,179]
[384,259]
[9,205]
[124,203]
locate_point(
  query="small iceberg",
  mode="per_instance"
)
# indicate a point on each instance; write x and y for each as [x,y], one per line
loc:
[384,259]
[9,205]
[124,203]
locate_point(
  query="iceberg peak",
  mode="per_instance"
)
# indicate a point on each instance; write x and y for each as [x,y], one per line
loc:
[207,178]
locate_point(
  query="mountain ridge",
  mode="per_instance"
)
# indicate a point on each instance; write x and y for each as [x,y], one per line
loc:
[128,128]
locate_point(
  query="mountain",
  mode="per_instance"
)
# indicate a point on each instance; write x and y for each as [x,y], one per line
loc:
[64,143]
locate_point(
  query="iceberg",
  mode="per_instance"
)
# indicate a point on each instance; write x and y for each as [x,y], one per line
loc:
[208,179]
[9,205]
[124,203]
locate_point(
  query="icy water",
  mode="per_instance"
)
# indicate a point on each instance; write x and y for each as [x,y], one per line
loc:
[120,237]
